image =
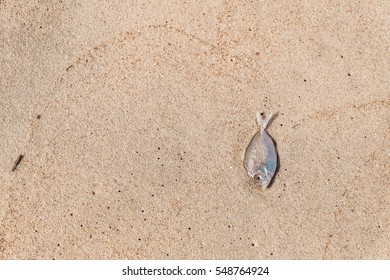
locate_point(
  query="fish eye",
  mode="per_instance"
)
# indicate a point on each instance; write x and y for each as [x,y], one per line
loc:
[257,177]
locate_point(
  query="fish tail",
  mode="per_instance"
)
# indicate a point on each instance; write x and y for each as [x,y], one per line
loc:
[263,123]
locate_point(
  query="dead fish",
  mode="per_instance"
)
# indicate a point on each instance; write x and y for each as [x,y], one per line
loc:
[260,158]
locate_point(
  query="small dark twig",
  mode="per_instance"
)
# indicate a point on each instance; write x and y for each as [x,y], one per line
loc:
[17,162]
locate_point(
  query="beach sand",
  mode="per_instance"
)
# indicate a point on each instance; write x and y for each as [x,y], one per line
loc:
[132,119]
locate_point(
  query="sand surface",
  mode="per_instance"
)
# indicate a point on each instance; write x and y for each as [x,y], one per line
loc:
[132,117]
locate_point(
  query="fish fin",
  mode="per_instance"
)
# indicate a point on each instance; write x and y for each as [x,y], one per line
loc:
[264,123]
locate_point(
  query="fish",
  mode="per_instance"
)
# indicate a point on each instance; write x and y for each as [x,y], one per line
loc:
[260,157]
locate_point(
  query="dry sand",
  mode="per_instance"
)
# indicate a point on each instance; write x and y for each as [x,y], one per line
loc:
[132,118]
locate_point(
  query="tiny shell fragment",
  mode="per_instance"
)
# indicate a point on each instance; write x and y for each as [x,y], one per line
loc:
[260,159]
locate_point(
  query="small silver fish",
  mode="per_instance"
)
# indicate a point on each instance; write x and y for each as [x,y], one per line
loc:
[260,158]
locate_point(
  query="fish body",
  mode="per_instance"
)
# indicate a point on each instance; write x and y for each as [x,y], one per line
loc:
[260,158]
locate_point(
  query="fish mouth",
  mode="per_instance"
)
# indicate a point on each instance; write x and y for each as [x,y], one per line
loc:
[265,184]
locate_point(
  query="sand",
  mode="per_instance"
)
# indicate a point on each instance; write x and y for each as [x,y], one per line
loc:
[132,119]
